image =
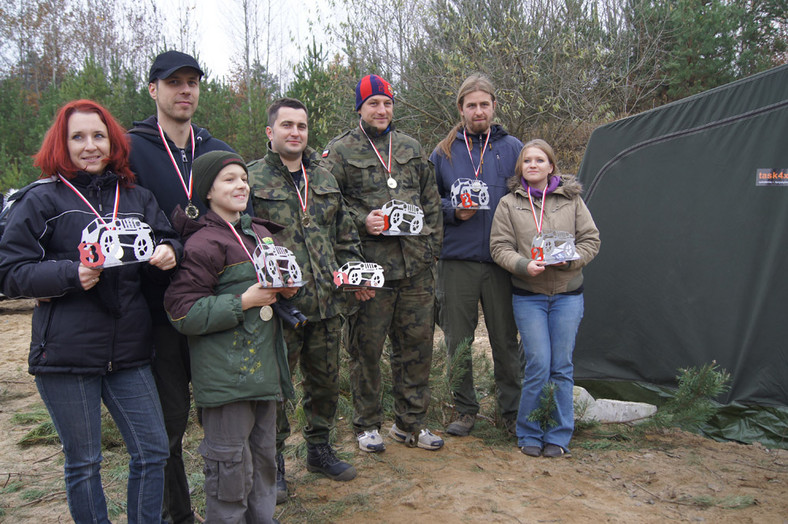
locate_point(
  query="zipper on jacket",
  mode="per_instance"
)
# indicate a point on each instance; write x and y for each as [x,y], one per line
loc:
[98,195]
[114,333]
[43,343]
[185,165]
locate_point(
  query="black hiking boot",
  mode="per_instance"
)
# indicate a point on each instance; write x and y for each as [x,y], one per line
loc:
[321,458]
[281,483]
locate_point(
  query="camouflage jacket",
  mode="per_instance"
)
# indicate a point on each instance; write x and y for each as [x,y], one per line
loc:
[362,179]
[321,247]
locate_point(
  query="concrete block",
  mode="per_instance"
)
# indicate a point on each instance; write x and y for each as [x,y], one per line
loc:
[606,410]
[583,402]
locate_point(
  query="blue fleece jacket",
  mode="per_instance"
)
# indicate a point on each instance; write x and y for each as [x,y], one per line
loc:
[470,239]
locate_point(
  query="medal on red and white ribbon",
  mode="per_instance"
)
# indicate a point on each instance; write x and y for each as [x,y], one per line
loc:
[191,210]
[305,220]
[476,170]
[390,182]
[91,253]
[537,244]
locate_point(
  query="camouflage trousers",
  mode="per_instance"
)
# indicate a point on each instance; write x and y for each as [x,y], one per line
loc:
[406,314]
[315,347]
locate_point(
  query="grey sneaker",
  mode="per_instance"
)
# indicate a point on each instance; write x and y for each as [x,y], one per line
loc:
[426,439]
[462,426]
[370,441]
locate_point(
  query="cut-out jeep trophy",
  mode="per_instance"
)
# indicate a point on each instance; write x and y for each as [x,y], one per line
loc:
[465,192]
[554,247]
[359,274]
[276,266]
[103,241]
[397,213]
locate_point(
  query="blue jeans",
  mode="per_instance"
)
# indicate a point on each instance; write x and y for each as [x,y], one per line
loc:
[74,403]
[548,326]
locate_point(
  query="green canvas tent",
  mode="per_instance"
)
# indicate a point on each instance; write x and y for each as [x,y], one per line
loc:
[691,200]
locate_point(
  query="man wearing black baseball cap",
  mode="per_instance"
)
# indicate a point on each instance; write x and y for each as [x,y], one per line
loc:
[169,62]
[163,148]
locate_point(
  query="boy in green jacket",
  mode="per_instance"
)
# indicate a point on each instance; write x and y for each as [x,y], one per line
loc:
[238,355]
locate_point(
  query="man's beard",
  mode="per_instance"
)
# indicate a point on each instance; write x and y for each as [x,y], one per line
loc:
[478,127]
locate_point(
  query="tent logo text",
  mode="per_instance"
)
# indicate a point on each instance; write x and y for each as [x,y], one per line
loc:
[772,177]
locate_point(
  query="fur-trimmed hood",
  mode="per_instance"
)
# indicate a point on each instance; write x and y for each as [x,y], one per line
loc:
[515,226]
[569,186]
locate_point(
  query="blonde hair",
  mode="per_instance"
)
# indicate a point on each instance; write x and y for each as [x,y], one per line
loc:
[546,148]
[475,82]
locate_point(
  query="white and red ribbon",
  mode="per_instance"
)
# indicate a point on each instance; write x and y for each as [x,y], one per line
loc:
[85,200]
[476,170]
[303,201]
[187,189]
[240,241]
[380,157]
[541,213]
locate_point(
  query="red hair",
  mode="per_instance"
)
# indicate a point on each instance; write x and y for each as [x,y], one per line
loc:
[54,158]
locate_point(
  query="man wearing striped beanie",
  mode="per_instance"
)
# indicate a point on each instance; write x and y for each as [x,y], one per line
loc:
[393,197]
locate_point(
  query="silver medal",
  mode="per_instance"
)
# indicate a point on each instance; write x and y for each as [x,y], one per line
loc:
[391,182]
[266,313]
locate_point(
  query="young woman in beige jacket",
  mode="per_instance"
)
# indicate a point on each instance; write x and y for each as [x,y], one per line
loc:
[543,234]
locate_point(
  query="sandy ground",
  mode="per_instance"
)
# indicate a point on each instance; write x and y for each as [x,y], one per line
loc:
[669,476]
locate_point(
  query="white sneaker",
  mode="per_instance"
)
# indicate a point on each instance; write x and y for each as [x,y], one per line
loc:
[427,440]
[371,441]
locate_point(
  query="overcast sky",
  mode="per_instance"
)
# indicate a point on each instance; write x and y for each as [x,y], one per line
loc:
[220,33]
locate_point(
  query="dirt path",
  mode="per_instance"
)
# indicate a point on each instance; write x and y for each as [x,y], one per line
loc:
[674,476]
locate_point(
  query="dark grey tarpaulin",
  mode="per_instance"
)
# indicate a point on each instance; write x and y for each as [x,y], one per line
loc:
[691,200]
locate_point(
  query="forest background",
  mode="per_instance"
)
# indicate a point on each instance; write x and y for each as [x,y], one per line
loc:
[561,67]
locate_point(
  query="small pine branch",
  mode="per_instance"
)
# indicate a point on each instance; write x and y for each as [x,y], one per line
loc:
[547,406]
[458,363]
[42,433]
[445,376]
[693,403]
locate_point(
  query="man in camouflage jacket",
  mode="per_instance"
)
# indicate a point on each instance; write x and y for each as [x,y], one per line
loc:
[290,188]
[374,164]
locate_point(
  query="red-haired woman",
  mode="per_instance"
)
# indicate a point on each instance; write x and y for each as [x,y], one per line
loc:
[91,337]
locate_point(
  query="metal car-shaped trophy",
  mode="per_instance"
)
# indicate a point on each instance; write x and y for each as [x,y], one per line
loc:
[554,247]
[397,213]
[102,242]
[276,266]
[465,192]
[359,274]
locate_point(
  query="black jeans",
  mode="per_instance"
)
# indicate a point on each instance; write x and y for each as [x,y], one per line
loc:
[172,373]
